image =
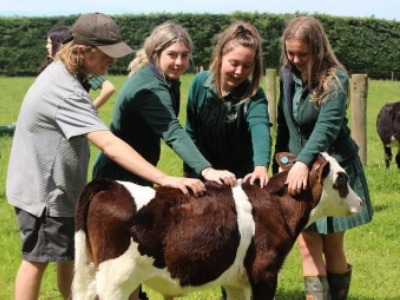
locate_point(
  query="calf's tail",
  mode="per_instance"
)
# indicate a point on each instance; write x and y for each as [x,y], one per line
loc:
[83,285]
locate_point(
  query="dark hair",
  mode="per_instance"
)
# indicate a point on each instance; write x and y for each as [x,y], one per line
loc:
[58,36]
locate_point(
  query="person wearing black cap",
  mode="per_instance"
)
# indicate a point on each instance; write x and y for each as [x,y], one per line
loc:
[50,152]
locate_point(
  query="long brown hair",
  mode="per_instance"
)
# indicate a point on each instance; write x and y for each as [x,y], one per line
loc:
[322,77]
[242,34]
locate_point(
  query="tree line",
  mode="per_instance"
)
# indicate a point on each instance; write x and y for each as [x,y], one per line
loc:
[363,45]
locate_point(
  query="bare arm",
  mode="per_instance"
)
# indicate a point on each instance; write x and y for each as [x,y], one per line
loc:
[128,158]
[107,89]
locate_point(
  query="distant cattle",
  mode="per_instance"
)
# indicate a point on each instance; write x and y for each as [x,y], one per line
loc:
[388,127]
[236,237]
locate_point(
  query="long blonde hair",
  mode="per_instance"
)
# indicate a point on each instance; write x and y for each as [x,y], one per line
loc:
[68,54]
[322,78]
[238,34]
[160,38]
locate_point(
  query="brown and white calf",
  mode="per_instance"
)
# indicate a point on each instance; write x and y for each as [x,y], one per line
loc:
[235,237]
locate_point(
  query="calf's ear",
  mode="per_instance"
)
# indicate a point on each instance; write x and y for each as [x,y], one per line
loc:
[321,170]
[285,160]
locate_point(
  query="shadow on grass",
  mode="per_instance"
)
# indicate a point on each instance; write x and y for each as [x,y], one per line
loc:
[292,295]
[371,298]
[380,207]
[299,295]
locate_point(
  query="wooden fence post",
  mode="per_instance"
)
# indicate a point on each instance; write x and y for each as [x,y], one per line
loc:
[271,96]
[358,102]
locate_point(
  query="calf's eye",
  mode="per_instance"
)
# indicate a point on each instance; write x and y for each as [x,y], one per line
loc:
[341,184]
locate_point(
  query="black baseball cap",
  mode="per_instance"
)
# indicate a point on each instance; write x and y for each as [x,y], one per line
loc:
[100,30]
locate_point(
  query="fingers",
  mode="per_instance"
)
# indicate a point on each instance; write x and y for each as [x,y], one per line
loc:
[196,186]
[220,177]
[294,186]
[185,184]
[184,189]
[263,181]
[297,178]
[260,174]
[228,179]
[252,178]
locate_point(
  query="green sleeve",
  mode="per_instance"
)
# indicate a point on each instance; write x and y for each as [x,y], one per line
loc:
[96,82]
[157,109]
[193,102]
[259,127]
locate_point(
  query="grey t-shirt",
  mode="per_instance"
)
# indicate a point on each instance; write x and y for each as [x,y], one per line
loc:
[50,153]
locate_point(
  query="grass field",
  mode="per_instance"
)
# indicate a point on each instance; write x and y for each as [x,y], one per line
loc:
[373,249]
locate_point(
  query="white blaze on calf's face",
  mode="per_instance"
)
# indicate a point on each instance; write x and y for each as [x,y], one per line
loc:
[337,198]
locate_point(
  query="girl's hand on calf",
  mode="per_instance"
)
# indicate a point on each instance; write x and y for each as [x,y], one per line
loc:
[219,176]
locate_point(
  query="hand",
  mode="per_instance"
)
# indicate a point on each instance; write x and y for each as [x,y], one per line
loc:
[297,178]
[260,173]
[219,176]
[196,185]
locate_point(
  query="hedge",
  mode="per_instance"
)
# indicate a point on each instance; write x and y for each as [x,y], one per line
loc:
[363,45]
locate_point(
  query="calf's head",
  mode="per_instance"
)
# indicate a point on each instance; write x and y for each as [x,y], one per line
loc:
[328,182]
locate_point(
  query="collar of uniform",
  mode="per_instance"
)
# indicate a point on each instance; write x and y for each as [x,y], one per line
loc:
[234,96]
[161,76]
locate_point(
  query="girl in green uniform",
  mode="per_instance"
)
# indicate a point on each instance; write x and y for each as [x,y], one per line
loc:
[312,119]
[227,111]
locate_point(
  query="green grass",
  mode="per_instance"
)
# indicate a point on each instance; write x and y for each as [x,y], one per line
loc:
[373,249]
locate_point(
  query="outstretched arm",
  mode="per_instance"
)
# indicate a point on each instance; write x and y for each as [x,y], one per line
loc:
[107,89]
[128,158]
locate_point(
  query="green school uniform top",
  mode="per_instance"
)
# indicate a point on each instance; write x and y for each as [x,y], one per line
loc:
[95,82]
[306,130]
[146,111]
[231,135]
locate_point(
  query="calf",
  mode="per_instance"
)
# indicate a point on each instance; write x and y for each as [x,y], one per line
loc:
[236,237]
[388,127]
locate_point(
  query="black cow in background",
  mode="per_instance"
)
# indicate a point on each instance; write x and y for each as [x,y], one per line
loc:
[388,127]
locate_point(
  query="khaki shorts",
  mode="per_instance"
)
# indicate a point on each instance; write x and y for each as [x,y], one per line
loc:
[46,239]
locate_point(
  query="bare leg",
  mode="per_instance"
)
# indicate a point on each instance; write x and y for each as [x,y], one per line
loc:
[315,278]
[311,247]
[65,273]
[29,278]
[336,261]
